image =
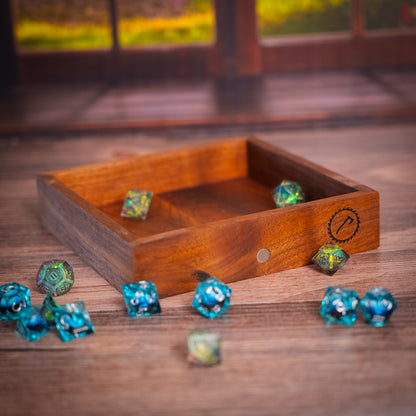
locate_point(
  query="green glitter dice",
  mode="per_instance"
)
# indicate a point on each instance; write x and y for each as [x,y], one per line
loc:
[204,348]
[288,193]
[55,277]
[330,258]
[136,204]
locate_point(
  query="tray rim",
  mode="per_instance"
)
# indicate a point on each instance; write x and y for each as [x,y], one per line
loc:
[51,178]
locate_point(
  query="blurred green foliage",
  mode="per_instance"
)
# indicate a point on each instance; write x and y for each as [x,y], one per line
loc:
[75,24]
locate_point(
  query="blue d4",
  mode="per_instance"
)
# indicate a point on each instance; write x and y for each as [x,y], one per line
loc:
[141,298]
[340,305]
[212,298]
[378,305]
[14,300]
[32,325]
[72,321]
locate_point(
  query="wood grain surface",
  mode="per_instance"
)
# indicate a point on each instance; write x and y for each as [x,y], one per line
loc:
[279,357]
[285,101]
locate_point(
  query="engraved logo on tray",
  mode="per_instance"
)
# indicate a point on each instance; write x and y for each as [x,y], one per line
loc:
[343,225]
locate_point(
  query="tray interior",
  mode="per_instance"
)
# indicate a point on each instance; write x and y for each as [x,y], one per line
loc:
[198,186]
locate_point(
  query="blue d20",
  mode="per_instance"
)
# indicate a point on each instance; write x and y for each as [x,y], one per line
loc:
[212,298]
[14,300]
[32,325]
[141,298]
[340,305]
[72,321]
[378,305]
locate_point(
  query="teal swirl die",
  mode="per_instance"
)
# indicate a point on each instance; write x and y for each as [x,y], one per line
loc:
[141,298]
[32,325]
[72,321]
[136,204]
[14,300]
[377,306]
[330,258]
[55,277]
[288,193]
[212,298]
[340,305]
[204,348]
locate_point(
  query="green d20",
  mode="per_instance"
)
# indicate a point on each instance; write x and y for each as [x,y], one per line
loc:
[288,193]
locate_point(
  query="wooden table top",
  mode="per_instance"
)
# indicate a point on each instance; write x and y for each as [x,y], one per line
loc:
[279,356]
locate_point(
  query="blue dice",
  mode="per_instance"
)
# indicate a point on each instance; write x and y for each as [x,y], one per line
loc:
[378,305]
[32,325]
[340,305]
[14,300]
[212,298]
[141,298]
[72,321]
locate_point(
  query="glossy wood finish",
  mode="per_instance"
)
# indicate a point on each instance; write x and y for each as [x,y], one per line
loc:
[213,212]
[279,357]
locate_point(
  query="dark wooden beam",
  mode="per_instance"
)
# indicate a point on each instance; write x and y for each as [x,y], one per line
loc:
[357,18]
[237,47]
[8,67]
[113,14]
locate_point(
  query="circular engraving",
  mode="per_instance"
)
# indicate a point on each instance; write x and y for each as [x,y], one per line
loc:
[263,255]
[343,225]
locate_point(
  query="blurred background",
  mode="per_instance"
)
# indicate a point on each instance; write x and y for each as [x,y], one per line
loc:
[163,64]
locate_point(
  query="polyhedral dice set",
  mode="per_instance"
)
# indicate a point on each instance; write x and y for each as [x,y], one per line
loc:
[55,277]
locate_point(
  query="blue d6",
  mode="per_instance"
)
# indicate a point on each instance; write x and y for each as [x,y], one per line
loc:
[212,298]
[340,305]
[72,321]
[378,305]
[32,325]
[14,300]
[141,298]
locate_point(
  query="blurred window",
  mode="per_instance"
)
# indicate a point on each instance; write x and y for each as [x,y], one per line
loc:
[61,24]
[285,17]
[156,22]
[389,14]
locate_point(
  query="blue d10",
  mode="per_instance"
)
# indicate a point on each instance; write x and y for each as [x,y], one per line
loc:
[340,305]
[378,305]
[32,325]
[141,298]
[212,298]
[14,300]
[72,321]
